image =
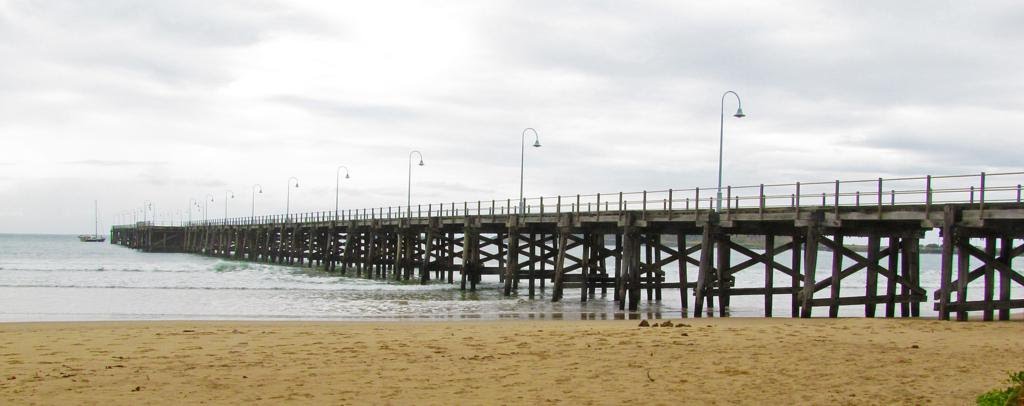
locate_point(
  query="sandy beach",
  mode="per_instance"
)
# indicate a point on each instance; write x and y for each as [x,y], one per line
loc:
[704,361]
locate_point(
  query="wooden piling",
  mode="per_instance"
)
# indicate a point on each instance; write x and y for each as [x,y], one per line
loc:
[704,271]
[890,282]
[769,272]
[837,269]
[946,273]
[810,264]
[871,285]
[512,261]
[681,269]
[724,276]
[559,277]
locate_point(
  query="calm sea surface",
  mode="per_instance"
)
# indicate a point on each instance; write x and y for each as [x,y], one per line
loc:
[49,277]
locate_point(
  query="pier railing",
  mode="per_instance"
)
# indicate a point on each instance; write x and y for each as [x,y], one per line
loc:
[983,188]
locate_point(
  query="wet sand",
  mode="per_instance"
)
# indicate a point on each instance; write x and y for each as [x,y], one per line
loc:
[706,361]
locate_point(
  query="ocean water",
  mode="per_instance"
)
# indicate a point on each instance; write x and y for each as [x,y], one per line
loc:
[56,277]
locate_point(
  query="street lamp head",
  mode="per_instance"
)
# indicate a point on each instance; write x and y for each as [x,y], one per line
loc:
[536,137]
[346,175]
[421,162]
[739,113]
[296,185]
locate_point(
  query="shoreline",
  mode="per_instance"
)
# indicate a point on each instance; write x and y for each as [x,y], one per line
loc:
[706,361]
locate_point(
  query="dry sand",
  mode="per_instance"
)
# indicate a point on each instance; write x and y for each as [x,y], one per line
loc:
[709,361]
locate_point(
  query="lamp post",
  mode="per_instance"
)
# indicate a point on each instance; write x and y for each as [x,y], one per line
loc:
[337,186]
[288,197]
[256,188]
[227,193]
[721,137]
[206,207]
[192,203]
[408,193]
[147,205]
[522,164]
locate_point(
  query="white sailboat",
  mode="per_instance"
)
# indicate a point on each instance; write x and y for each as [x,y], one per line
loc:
[95,237]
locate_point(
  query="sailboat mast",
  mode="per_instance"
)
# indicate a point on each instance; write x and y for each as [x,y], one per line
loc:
[96,217]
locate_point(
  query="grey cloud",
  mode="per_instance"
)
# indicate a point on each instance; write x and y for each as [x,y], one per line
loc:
[158,179]
[341,109]
[115,163]
[949,152]
[914,55]
[191,22]
[172,42]
[453,187]
[201,183]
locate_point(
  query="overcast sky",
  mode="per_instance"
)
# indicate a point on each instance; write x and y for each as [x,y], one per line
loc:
[129,101]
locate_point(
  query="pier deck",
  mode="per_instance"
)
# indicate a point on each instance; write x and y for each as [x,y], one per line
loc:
[621,243]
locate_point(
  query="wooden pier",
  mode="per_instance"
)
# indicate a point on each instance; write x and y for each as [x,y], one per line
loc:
[616,246]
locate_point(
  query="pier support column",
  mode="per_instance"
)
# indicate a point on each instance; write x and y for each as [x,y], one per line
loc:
[533,265]
[963,276]
[332,246]
[585,265]
[470,258]
[837,270]
[512,262]
[949,240]
[810,264]
[769,274]
[412,243]
[795,279]
[1006,258]
[912,273]
[704,273]
[400,243]
[633,268]
[890,282]
[427,251]
[559,277]
[344,251]
[630,286]
[989,280]
[451,258]
[682,264]
[724,276]
[619,276]
[373,255]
